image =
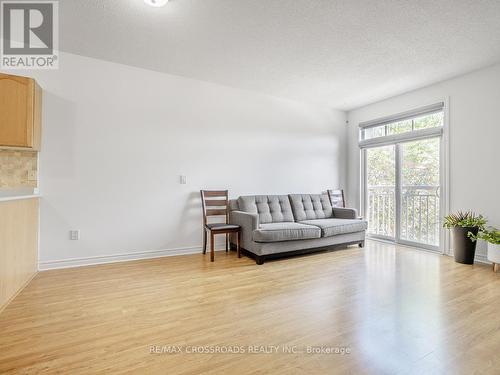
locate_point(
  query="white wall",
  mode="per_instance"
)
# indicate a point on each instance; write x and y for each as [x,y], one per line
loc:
[474,139]
[116,139]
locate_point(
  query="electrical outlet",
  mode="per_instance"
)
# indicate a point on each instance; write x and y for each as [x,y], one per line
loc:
[183,180]
[32,176]
[74,235]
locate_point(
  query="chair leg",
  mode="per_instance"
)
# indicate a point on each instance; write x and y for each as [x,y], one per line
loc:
[212,246]
[238,246]
[227,242]
[204,241]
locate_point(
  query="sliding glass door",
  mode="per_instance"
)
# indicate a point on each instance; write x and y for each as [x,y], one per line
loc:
[402,192]
[420,191]
[381,191]
[402,177]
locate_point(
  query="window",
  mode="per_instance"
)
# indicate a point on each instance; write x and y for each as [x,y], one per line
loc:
[404,125]
[402,179]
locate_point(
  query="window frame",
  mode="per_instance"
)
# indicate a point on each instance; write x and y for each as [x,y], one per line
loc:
[400,137]
[442,104]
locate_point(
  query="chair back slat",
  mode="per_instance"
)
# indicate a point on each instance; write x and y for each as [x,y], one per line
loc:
[214,207]
[215,203]
[218,212]
[215,193]
[337,198]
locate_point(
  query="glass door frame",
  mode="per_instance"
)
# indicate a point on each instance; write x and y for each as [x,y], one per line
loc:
[444,239]
[364,192]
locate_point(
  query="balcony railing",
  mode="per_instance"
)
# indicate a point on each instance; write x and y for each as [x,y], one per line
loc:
[419,213]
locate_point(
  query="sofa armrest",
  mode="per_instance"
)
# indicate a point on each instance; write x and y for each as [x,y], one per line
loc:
[345,213]
[248,223]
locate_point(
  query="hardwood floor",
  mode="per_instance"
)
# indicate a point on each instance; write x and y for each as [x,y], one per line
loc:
[395,309]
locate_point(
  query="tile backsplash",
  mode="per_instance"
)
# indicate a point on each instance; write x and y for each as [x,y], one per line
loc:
[16,168]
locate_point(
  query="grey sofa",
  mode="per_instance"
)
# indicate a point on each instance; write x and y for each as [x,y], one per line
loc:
[282,225]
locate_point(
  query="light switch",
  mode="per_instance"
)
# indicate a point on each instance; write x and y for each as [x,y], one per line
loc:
[183,180]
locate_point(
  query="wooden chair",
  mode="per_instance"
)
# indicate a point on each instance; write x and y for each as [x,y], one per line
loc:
[336,198]
[215,203]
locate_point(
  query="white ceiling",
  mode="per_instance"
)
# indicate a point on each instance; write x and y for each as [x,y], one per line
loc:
[343,53]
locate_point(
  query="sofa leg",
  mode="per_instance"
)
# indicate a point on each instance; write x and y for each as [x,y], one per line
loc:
[259,260]
[362,244]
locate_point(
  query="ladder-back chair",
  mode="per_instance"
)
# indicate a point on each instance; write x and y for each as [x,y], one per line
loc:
[215,203]
[336,198]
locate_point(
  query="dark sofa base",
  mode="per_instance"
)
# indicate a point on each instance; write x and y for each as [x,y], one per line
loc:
[260,259]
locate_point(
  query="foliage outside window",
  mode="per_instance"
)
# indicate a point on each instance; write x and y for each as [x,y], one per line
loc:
[420,187]
[428,121]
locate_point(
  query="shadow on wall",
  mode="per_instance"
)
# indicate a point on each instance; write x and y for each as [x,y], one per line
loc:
[57,165]
[482,248]
[191,213]
[57,158]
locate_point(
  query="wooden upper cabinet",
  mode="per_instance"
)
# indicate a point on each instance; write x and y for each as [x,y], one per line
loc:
[20,112]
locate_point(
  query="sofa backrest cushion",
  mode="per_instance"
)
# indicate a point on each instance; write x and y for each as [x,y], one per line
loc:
[311,206]
[271,208]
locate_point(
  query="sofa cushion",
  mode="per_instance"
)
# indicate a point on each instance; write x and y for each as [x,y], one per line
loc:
[311,206]
[286,231]
[333,227]
[270,208]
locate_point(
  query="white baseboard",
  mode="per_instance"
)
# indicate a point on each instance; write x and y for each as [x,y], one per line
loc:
[103,259]
[480,258]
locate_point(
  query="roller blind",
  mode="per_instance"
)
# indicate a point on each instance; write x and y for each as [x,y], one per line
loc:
[427,110]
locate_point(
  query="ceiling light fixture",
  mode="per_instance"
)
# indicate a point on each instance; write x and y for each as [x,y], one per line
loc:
[156,3]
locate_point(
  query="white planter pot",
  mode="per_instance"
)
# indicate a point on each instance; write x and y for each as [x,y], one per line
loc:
[494,253]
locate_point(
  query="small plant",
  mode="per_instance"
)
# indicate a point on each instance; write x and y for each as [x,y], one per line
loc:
[491,235]
[466,219]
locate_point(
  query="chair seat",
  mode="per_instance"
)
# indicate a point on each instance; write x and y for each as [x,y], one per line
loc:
[222,226]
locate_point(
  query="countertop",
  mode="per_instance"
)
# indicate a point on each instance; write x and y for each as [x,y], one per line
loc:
[18,197]
[17,194]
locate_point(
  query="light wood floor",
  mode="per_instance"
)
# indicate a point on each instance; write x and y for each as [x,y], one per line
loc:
[398,311]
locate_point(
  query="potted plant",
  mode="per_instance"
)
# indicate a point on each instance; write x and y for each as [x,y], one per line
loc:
[461,224]
[492,236]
